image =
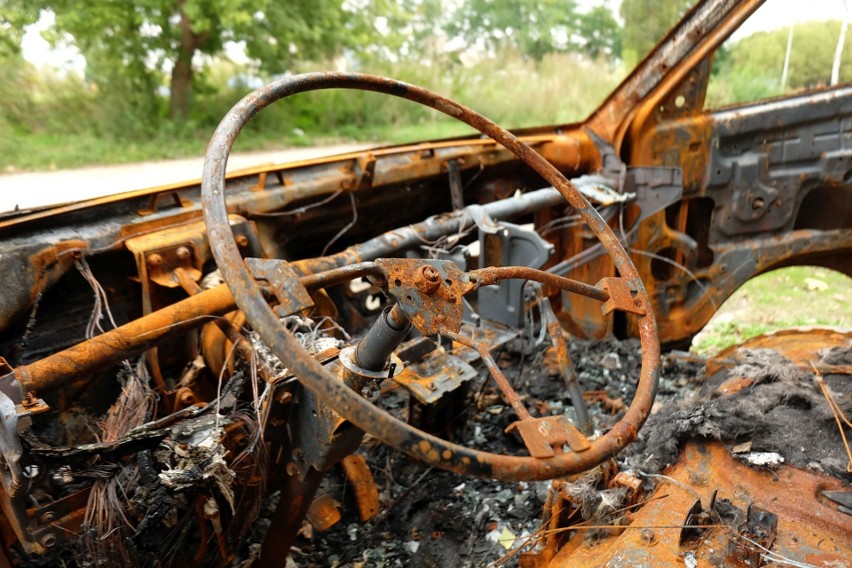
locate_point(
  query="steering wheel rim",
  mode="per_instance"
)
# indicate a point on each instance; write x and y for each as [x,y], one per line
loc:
[349,404]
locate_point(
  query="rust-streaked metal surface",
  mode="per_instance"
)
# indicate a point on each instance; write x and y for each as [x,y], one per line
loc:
[116,345]
[810,528]
[438,374]
[359,476]
[801,345]
[123,342]
[324,513]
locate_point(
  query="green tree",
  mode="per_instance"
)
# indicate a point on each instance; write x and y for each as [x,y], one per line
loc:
[600,32]
[762,54]
[750,68]
[134,40]
[645,24]
[15,15]
[535,27]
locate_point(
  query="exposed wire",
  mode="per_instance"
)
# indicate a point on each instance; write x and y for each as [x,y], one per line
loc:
[767,554]
[345,229]
[219,383]
[474,176]
[444,242]
[302,209]
[542,532]
[671,480]
[101,302]
[837,412]
[679,266]
[106,525]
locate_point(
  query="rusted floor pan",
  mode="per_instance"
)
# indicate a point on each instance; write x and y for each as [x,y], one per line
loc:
[810,528]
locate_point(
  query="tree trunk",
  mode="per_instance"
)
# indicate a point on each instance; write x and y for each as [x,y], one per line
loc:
[181,87]
[181,84]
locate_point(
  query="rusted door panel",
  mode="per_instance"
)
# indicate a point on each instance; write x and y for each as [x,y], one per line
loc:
[765,186]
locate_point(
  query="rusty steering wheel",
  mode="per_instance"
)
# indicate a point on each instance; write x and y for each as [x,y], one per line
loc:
[626,293]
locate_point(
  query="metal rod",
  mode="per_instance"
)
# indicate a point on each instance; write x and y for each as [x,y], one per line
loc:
[110,348]
[388,331]
[387,244]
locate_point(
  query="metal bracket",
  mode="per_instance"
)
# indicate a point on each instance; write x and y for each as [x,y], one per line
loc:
[155,199]
[319,436]
[541,434]
[436,375]
[13,499]
[428,291]
[9,383]
[456,189]
[758,533]
[284,283]
[620,297]
[506,244]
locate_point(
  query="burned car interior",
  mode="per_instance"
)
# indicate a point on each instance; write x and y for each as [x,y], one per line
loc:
[373,359]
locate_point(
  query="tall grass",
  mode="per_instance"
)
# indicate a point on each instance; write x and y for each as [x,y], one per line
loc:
[56,121]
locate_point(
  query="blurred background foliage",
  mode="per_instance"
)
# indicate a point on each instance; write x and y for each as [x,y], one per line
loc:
[160,74]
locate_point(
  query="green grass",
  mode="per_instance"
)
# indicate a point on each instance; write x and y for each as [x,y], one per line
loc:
[777,300]
[49,122]
[47,151]
[404,134]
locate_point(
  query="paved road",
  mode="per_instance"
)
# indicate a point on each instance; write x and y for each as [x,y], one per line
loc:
[48,188]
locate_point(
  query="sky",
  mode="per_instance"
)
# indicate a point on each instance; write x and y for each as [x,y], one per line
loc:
[773,15]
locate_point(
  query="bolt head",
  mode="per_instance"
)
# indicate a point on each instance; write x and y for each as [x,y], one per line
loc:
[155,260]
[429,279]
[648,537]
[430,273]
[183,253]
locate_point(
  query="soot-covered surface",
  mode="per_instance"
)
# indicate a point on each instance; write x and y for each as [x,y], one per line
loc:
[436,518]
[781,410]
